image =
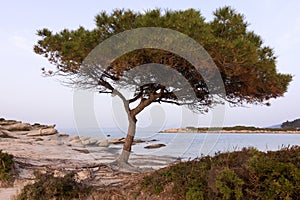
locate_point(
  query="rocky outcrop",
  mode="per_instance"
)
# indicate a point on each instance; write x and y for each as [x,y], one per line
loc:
[4,122]
[81,141]
[17,127]
[9,126]
[154,146]
[6,134]
[103,143]
[42,132]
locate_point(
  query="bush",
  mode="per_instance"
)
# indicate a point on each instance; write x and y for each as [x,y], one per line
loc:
[194,193]
[6,169]
[246,174]
[277,174]
[49,187]
[229,184]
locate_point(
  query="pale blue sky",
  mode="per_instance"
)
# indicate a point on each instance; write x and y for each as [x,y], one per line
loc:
[27,96]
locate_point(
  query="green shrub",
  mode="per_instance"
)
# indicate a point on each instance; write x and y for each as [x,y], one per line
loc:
[277,174]
[245,174]
[229,184]
[49,187]
[194,193]
[6,169]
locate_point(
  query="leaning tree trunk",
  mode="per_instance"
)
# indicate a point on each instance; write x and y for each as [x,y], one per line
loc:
[124,157]
[122,162]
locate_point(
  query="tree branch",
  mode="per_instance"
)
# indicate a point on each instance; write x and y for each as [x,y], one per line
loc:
[105,92]
[140,94]
[125,101]
[105,84]
[168,101]
[146,102]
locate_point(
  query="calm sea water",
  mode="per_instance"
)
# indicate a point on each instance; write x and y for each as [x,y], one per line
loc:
[192,145]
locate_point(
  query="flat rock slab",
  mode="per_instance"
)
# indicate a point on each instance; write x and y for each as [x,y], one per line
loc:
[42,132]
[154,146]
[17,127]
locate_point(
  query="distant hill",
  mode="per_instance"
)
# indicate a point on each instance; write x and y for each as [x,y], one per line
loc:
[292,124]
[275,126]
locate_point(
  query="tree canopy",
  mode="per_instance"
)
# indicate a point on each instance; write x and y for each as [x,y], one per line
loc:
[247,67]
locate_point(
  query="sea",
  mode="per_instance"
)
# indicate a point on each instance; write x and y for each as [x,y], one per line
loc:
[187,146]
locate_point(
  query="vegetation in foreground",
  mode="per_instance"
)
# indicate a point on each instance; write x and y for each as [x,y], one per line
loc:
[48,186]
[6,169]
[247,174]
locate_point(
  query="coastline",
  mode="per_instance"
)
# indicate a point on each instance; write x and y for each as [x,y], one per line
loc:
[221,131]
[41,148]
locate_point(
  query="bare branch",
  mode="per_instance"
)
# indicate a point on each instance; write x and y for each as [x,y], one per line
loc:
[125,101]
[146,102]
[139,95]
[168,101]
[106,84]
[105,92]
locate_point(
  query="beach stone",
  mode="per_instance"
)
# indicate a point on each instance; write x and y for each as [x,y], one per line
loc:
[76,143]
[82,175]
[17,127]
[113,140]
[74,138]
[3,134]
[93,141]
[88,142]
[8,122]
[33,133]
[20,133]
[138,141]
[103,143]
[58,173]
[39,126]
[154,146]
[48,131]
[84,138]
[117,140]
[63,135]
[42,132]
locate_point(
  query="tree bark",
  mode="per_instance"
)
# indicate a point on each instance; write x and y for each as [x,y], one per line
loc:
[124,157]
[122,161]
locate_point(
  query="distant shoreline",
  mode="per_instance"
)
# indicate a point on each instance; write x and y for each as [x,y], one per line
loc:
[225,130]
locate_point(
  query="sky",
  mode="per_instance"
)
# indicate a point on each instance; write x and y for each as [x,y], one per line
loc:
[27,96]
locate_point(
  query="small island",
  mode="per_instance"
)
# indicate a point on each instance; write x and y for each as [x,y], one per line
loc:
[286,128]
